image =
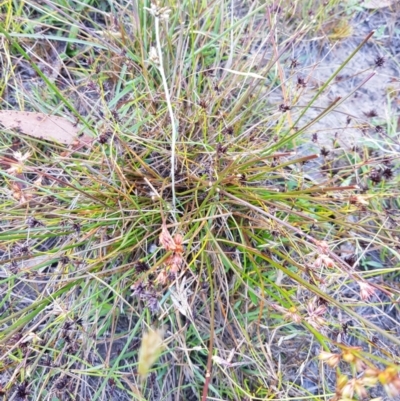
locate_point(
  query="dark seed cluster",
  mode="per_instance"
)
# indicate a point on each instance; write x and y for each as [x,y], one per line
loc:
[379,61]
[284,107]
[22,391]
[147,294]
[141,267]
[375,176]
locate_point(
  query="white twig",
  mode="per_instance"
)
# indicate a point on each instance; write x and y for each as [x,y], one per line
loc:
[171,113]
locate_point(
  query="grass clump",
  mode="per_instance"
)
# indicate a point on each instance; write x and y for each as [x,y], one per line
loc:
[192,211]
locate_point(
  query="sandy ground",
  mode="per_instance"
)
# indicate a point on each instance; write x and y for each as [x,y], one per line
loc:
[368,112]
[370,115]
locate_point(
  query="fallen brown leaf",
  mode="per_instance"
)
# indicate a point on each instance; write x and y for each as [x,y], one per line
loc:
[40,125]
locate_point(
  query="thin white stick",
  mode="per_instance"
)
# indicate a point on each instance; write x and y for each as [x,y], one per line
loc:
[171,113]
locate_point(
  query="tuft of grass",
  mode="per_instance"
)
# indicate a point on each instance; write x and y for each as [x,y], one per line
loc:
[192,209]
